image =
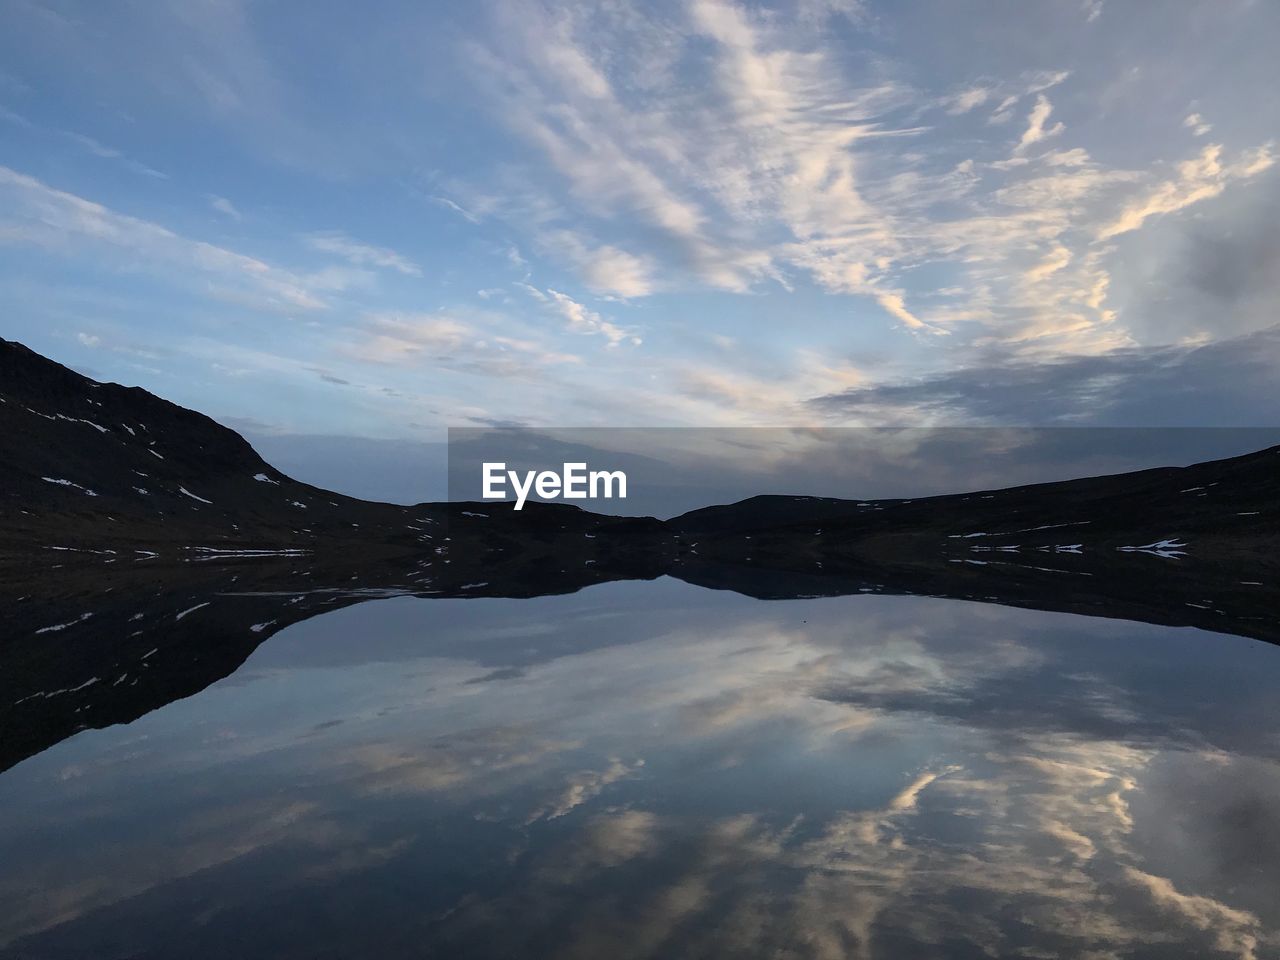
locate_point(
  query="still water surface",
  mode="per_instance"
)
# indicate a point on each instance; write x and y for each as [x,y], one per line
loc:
[655,770]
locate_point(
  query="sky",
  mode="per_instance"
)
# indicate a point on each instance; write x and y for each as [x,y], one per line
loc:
[343,225]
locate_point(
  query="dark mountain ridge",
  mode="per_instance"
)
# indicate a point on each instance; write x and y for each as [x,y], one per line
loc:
[1228,507]
[99,462]
[87,465]
[98,470]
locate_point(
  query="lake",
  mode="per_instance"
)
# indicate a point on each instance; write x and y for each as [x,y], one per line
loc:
[651,769]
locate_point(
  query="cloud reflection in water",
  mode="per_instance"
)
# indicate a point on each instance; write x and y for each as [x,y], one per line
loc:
[652,770]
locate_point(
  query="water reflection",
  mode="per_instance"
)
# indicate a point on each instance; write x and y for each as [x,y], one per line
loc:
[652,770]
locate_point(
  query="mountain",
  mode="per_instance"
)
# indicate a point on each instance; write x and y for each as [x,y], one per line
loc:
[1225,506]
[146,551]
[1216,520]
[85,464]
[91,469]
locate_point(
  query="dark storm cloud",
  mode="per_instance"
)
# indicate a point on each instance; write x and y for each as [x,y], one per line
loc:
[1230,383]
[1239,264]
[1217,273]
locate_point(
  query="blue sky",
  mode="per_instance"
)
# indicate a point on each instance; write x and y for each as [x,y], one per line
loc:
[373,221]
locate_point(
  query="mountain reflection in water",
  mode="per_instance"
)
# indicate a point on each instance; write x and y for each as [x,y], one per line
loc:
[648,769]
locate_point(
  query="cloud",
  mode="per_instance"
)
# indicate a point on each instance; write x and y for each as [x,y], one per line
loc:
[1229,383]
[567,109]
[966,100]
[1196,124]
[399,338]
[1198,179]
[1036,131]
[996,835]
[781,150]
[54,219]
[456,208]
[1004,112]
[12,116]
[361,254]
[604,268]
[1237,932]
[476,344]
[582,320]
[225,207]
[818,12]
[1051,821]
[583,786]
[618,837]
[722,395]
[110,153]
[212,67]
[716,145]
[769,118]
[85,143]
[895,306]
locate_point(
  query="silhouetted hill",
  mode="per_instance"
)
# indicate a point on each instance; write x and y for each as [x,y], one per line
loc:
[97,465]
[92,469]
[1212,510]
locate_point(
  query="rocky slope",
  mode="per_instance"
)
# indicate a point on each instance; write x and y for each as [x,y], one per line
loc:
[84,465]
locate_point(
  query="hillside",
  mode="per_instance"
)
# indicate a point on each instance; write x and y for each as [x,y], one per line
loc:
[86,464]
[97,471]
[1212,510]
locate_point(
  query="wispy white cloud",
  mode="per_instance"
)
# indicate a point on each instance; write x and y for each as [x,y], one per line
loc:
[403,338]
[1036,130]
[1197,125]
[361,254]
[967,99]
[225,207]
[480,343]
[1004,111]
[12,116]
[779,165]
[111,153]
[85,143]
[726,394]
[1197,179]
[604,268]
[580,318]
[456,208]
[818,12]
[47,217]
